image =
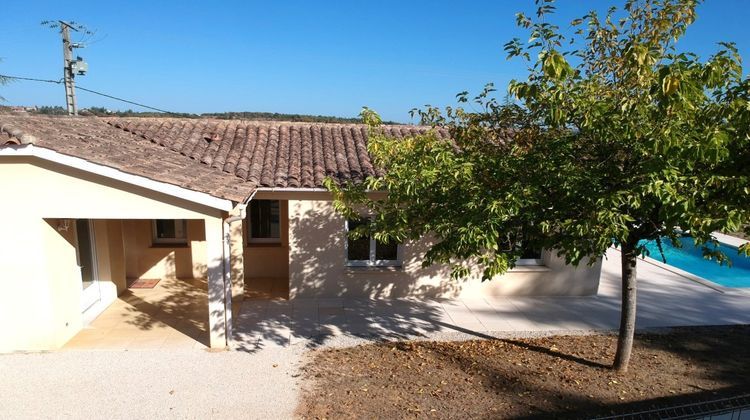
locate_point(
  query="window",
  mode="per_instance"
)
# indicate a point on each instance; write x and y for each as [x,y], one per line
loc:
[530,256]
[264,225]
[366,251]
[170,231]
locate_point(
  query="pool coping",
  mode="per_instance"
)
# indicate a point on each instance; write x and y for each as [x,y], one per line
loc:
[690,276]
[721,237]
[729,240]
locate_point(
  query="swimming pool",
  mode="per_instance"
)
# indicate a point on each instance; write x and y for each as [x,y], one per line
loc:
[690,258]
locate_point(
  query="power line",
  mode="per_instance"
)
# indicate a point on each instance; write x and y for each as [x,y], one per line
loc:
[30,78]
[87,90]
[124,100]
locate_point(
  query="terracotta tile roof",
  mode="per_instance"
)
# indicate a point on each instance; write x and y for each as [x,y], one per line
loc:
[268,154]
[224,158]
[92,139]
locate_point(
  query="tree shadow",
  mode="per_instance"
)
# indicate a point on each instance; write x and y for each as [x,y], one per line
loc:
[719,353]
[367,303]
[531,347]
[318,262]
[698,347]
[493,379]
[177,303]
[314,322]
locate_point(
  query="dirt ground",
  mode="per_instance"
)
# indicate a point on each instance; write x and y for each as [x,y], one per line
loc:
[553,377]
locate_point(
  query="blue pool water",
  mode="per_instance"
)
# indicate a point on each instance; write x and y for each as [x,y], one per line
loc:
[690,258]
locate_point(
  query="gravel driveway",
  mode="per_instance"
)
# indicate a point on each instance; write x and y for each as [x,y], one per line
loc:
[150,384]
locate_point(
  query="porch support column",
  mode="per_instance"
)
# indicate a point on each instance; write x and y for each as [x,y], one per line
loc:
[237,264]
[217,327]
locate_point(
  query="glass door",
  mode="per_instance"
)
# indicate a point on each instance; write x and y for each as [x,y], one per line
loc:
[86,253]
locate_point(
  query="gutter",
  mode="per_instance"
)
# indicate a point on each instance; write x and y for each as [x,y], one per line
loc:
[304,190]
[241,214]
[285,189]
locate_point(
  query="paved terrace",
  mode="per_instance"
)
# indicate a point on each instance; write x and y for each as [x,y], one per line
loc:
[665,300]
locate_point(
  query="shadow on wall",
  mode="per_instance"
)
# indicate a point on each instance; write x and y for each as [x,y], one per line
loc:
[144,259]
[237,266]
[65,228]
[317,267]
[317,262]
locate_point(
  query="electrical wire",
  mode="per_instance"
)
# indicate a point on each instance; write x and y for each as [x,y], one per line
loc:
[123,100]
[5,76]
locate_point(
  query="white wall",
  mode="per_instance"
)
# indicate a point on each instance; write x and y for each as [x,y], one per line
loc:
[317,267]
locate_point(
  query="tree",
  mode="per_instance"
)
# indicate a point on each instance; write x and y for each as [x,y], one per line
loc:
[51,110]
[614,137]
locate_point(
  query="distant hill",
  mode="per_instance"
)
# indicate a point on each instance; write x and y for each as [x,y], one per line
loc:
[264,116]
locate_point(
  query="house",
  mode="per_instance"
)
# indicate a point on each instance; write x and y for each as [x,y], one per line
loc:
[91,204]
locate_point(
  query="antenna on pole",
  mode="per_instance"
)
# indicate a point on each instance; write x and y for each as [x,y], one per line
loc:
[71,67]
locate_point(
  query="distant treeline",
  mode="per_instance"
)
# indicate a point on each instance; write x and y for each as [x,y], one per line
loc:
[275,116]
[265,116]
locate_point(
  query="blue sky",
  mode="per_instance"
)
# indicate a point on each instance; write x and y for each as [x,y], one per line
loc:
[308,57]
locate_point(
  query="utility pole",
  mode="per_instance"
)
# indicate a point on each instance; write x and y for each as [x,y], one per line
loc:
[70,88]
[71,67]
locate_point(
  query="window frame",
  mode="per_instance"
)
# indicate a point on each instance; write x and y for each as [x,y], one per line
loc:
[526,262]
[531,261]
[249,229]
[169,241]
[371,262]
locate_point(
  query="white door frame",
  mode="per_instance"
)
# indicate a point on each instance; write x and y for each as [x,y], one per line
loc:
[92,294]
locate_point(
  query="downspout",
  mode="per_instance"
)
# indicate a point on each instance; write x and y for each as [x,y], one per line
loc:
[227,264]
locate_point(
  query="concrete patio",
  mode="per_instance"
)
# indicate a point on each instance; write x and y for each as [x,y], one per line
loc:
[173,315]
[665,300]
[170,316]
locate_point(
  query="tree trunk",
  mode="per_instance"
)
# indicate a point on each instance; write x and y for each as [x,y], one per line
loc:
[627,312]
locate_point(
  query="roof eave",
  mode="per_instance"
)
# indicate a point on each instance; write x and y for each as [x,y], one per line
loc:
[116,174]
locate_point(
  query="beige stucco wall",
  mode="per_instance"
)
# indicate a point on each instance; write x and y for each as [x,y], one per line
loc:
[145,259]
[269,260]
[317,267]
[24,291]
[40,302]
[63,275]
[40,290]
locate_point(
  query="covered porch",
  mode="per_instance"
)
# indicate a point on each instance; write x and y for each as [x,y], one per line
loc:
[145,295]
[172,315]
[75,250]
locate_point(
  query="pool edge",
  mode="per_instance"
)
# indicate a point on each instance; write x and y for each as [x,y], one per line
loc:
[690,276]
[728,239]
